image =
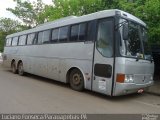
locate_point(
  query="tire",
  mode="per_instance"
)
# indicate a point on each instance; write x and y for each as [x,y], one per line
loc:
[76,80]
[13,67]
[20,69]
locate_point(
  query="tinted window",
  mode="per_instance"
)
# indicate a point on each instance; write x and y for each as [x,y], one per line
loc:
[8,42]
[91,30]
[105,37]
[103,70]
[46,36]
[55,33]
[82,32]
[74,33]
[78,32]
[40,37]
[63,35]
[22,40]
[14,41]
[31,38]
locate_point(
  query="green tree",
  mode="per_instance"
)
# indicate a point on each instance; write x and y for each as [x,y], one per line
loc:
[63,8]
[2,39]
[35,13]
[152,17]
[149,12]
[110,4]
[29,13]
[9,26]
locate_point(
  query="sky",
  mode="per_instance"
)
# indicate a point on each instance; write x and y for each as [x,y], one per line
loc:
[10,4]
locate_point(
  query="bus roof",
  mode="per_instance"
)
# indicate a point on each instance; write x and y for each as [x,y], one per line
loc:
[77,19]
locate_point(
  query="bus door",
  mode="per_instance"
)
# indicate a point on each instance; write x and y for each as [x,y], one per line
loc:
[103,57]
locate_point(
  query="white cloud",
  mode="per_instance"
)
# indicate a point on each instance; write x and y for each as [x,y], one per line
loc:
[10,4]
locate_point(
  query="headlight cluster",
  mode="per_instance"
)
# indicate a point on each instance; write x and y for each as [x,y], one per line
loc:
[129,78]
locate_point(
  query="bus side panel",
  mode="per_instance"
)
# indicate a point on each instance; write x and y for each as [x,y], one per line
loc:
[85,66]
[39,61]
[76,55]
[54,60]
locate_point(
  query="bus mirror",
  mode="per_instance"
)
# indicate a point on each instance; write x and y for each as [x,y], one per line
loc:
[125,31]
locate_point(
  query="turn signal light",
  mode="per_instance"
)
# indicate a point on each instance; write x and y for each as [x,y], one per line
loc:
[120,78]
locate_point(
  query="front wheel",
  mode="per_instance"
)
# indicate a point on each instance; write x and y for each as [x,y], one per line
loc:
[76,80]
[20,69]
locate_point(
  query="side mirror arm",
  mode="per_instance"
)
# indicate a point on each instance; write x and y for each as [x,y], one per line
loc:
[125,31]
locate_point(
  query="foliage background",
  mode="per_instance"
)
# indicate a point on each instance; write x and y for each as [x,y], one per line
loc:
[32,14]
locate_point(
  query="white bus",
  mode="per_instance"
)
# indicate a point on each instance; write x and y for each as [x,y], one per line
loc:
[106,52]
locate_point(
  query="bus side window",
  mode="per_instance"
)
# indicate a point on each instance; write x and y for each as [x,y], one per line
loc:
[105,37]
[35,41]
[91,30]
[78,32]
[82,31]
[63,34]
[22,40]
[40,38]
[55,33]
[74,33]
[46,36]
[15,41]
[8,42]
[31,38]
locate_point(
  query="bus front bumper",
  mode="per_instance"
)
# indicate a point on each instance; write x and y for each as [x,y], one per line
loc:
[128,88]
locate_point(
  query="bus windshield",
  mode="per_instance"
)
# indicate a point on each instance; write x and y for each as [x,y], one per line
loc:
[137,44]
[133,44]
[146,45]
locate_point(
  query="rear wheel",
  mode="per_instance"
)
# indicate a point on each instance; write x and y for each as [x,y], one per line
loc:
[13,67]
[76,80]
[20,69]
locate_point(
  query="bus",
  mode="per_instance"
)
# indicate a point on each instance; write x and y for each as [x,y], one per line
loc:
[105,52]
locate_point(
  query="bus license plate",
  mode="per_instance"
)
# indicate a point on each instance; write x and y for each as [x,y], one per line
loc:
[140,91]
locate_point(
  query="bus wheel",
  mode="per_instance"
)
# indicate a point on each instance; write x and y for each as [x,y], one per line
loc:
[13,67]
[20,69]
[76,80]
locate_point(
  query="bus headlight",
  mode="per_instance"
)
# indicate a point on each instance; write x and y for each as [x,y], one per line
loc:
[151,78]
[123,78]
[129,78]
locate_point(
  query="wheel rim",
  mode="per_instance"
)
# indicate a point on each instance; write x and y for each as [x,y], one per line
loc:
[76,79]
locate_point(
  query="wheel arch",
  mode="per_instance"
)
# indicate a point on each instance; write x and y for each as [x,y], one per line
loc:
[19,62]
[69,72]
[13,60]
